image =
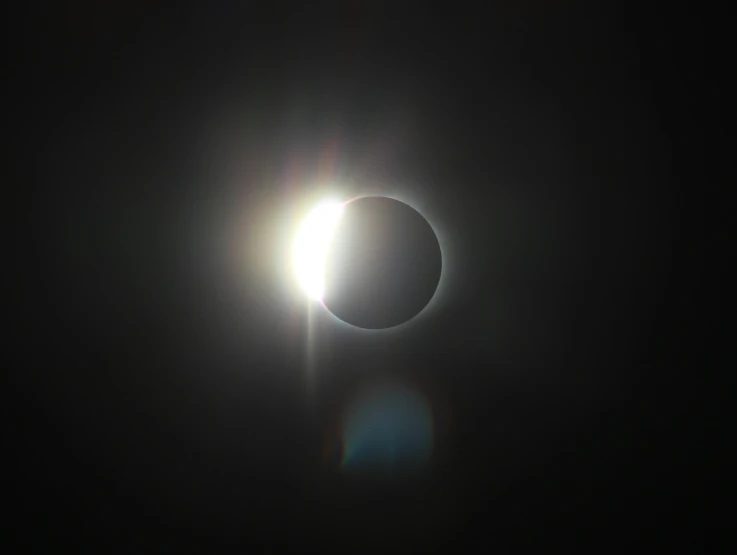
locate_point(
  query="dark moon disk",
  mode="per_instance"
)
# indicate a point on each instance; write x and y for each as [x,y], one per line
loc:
[383,265]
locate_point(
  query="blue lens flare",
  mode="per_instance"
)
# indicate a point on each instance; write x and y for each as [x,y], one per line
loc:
[390,429]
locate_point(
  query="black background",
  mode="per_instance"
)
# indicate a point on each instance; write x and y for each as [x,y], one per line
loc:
[174,391]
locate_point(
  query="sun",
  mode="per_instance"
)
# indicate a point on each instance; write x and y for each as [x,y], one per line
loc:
[310,247]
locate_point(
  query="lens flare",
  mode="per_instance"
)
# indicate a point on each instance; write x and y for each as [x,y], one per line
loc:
[390,428]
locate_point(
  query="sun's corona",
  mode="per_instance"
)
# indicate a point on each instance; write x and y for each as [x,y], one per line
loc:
[311,245]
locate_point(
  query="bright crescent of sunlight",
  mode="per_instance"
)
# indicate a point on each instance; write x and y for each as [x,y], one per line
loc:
[311,245]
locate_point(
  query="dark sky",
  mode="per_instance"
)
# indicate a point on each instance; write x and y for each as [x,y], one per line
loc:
[175,392]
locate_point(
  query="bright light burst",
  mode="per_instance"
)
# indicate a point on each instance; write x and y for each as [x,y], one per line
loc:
[311,247]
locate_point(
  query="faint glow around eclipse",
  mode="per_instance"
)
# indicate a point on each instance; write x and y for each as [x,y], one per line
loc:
[311,247]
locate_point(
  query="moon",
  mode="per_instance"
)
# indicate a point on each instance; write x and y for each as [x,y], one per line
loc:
[373,262]
[383,264]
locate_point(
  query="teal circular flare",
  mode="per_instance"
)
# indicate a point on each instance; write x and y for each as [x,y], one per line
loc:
[388,429]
